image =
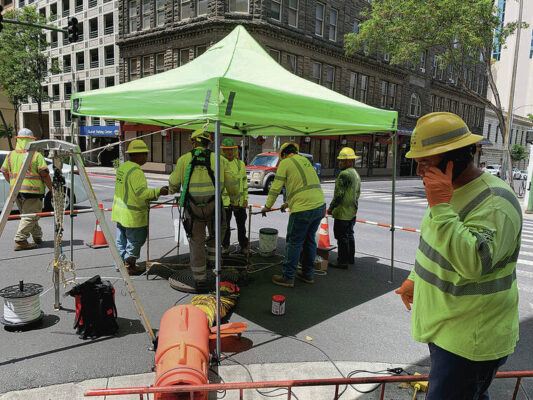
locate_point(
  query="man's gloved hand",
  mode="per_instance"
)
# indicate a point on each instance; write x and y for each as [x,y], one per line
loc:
[264,210]
[439,188]
[284,207]
[406,291]
[163,191]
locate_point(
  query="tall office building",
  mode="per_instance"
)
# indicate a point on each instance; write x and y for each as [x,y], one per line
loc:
[90,63]
[502,69]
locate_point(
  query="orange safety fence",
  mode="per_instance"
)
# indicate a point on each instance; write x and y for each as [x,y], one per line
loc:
[290,384]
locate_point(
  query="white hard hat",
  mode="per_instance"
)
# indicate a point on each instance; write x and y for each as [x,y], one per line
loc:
[25,133]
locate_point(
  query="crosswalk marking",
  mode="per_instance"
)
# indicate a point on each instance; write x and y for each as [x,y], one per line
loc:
[522,261]
[523,273]
[526,253]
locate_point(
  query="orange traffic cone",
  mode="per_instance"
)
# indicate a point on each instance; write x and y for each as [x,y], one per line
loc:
[98,236]
[323,234]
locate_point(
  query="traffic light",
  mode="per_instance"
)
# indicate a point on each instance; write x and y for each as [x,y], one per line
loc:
[1,18]
[72,29]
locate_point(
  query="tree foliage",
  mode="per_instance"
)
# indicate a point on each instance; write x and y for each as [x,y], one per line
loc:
[24,63]
[518,152]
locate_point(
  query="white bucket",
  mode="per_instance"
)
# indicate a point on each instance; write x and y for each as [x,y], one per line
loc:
[268,239]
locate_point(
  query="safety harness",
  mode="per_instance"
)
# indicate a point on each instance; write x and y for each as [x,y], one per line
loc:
[200,157]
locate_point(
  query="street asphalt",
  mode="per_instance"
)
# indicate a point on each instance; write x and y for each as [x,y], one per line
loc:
[348,318]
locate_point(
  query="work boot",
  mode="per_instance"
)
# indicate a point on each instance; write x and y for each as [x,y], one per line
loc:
[225,251]
[24,245]
[132,267]
[300,275]
[281,281]
[332,264]
[38,241]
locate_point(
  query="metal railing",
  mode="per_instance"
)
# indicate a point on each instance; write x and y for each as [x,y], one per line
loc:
[53,45]
[108,30]
[78,8]
[110,61]
[55,97]
[92,3]
[53,17]
[67,68]
[336,382]
[65,13]
[94,64]
[80,67]
[93,34]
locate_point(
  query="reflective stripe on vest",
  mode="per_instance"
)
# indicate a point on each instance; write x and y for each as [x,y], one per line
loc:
[304,181]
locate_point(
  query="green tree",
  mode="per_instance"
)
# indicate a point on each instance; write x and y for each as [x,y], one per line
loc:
[518,152]
[462,32]
[24,63]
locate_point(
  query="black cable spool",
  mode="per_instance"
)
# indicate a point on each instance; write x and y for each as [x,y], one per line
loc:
[16,300]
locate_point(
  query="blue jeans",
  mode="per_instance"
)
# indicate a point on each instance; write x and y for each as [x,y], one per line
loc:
[455,377]
[301,234]
[130,240]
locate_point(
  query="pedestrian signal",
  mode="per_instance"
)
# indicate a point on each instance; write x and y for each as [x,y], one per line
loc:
[72,30]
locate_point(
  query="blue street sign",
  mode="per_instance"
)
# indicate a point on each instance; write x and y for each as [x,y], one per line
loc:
[109,131]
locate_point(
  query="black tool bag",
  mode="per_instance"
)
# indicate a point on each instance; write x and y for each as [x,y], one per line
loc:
[96,313]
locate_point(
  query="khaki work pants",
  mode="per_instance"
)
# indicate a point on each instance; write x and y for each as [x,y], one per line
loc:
[29,225]
[202,218]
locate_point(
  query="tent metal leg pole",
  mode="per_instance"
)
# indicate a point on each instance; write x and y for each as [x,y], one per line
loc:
[112,245]
[8,205]
[392,223]
[218,217]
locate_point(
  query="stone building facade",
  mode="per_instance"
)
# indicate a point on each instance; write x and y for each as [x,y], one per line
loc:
[306,37]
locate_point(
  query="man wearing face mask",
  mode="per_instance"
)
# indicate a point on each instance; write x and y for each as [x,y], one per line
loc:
[463,286]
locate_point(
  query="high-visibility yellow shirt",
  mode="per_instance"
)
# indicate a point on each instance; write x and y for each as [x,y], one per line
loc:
[466,296]
[32,182]
[346,196]
[130,203]
[238,169]
[303,185]
[201,187]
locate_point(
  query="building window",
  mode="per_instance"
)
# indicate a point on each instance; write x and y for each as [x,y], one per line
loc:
[146,70]
[333,25]
[160,13]
[330,77]
[147,17]
[497,47]
[81,86]
[57,118]
[78,7]
[352,89]
[187,9]
[489,127]
[415,106]
[422,64]
[159,62]
[93,57]
[93,28]
[67,64]
[293,13]
[108,24]
[275,54]
[80,61]
[65,8]
[392,96]
[184,57]
[133,15]
[134,69]
[199,50]
[202,7]
[319,19]
[363,88]
[109,52]
[531,46]
[239,6]
[434,67]
[55,92]
[293,63]
[384,90]
[95,83]
[356,26]
[109,81]
[432,103]
[317,72]
[275,10]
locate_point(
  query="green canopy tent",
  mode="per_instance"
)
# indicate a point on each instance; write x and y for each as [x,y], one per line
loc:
[235,87]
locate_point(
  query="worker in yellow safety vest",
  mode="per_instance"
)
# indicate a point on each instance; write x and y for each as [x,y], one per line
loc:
[30,197]
[343,208]
[130,205]
[194,175]
[237,204]
[463,286]
[306,202]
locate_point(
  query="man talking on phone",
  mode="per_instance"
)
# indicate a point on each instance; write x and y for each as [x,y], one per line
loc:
[463,286]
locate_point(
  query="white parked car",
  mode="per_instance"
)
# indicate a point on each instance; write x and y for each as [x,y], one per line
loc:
[517,174]
[80,195]
[523,174]
[493,169]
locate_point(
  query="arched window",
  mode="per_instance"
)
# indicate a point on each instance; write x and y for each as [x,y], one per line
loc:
[415,106]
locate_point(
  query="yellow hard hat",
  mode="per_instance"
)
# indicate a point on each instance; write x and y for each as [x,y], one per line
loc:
[200,134]
[347,153]
[287,144]
[440,132]
[137,146]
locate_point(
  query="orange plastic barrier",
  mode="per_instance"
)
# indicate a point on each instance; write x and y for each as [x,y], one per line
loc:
[182,356]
